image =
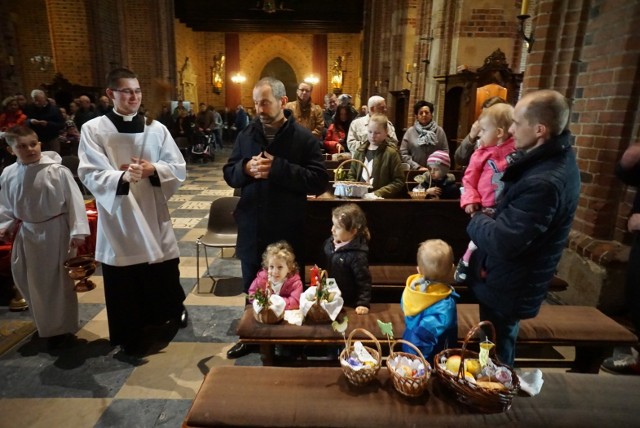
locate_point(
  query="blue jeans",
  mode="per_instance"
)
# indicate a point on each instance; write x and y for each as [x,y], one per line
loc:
[506,333]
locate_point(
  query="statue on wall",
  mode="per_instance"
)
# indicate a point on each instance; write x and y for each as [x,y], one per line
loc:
[188,81]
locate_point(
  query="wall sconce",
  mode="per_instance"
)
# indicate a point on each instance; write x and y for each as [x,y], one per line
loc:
[238,78]
[337,75]
[42,61]
[217,71]
[311,79]
[409,70]
[523,19]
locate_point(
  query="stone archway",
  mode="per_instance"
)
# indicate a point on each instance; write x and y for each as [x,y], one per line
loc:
[281,70]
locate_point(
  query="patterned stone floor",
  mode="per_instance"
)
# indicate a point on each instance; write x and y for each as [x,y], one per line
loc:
[86,387]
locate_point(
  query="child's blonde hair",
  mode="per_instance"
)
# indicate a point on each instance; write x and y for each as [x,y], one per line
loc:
[281,250]
[351,216]
[501,115]
[435,261]
[380,119]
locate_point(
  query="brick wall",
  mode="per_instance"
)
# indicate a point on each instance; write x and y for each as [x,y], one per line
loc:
[590,52]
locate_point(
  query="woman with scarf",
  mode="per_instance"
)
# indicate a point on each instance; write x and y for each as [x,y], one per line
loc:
[423,138]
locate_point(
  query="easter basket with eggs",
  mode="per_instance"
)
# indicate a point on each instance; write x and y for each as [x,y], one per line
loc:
[349,189]
[409,372]
[268,307]
[477,380]
[322,301]
[360,364]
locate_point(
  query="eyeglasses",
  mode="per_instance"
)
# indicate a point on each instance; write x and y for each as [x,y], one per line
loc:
[128,92]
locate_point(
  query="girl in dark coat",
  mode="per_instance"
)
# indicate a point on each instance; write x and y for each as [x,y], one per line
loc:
[347,255]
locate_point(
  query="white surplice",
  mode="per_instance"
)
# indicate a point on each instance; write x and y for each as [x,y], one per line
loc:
[46,198]
[136,227]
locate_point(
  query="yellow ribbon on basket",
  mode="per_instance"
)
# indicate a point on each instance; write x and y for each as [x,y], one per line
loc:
[483,356]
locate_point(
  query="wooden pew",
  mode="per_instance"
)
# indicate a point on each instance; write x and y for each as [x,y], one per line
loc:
[397,227]
[592,333]
[321,397]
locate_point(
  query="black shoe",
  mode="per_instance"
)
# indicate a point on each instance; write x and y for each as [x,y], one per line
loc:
[60,341]
[125,357]
[183,319]
[238,350]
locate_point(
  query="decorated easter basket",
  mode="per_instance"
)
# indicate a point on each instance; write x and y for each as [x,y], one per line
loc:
[420,194]
[350,189]
[363,375]
[268,316]
[480,398]
[317,315]
[341,155]
[410,386]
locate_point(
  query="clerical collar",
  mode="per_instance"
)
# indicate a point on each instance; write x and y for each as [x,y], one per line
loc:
[127,124]
[126,117]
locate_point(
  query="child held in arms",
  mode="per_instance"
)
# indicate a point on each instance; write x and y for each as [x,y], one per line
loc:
[428,301]
[41,193]
[443,185]
[347,256]
[482,182]
[280,272]
[382,161]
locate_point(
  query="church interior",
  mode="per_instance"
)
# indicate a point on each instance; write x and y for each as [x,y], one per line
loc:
[454,54]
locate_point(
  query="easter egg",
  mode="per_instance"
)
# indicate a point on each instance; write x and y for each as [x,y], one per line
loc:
[453,363]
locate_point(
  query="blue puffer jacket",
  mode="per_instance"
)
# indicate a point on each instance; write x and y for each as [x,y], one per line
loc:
[430,317]
[519,249]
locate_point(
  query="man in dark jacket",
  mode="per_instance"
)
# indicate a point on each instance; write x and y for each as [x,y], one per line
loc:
[276,163]
[628,170]
[46,120]
[519,249]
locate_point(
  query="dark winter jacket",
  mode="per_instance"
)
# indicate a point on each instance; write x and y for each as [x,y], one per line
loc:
[349,266]
[273,209]
[519,249]
[448,186]
[631,177]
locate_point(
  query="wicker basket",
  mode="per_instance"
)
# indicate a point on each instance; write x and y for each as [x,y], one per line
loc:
[468,393]
[366,374]
[267,316]
[317,315]
[419,195]
[350,189]
[408,386]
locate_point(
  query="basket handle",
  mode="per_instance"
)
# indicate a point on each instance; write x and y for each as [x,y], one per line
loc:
[427,367]
[351,160]
[367,333]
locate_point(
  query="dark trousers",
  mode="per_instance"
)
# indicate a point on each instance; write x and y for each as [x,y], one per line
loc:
[506,333]
[141,295]
[632,287]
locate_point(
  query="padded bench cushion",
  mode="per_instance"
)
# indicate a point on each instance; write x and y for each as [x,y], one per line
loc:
[249,328]
[276,396]
[554,324]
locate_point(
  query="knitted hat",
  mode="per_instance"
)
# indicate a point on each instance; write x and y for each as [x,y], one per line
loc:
[440,158]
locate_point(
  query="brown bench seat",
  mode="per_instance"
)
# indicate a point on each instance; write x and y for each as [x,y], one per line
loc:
[592,333]
[321,397]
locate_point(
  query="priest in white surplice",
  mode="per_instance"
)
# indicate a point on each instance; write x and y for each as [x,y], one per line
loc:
[135,239]
[41,193]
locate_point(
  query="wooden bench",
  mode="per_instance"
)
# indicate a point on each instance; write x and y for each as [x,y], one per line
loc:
[321,397]
[592,333]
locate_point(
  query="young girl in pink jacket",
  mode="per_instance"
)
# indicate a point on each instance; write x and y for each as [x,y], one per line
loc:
[482,179]
[280,270]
